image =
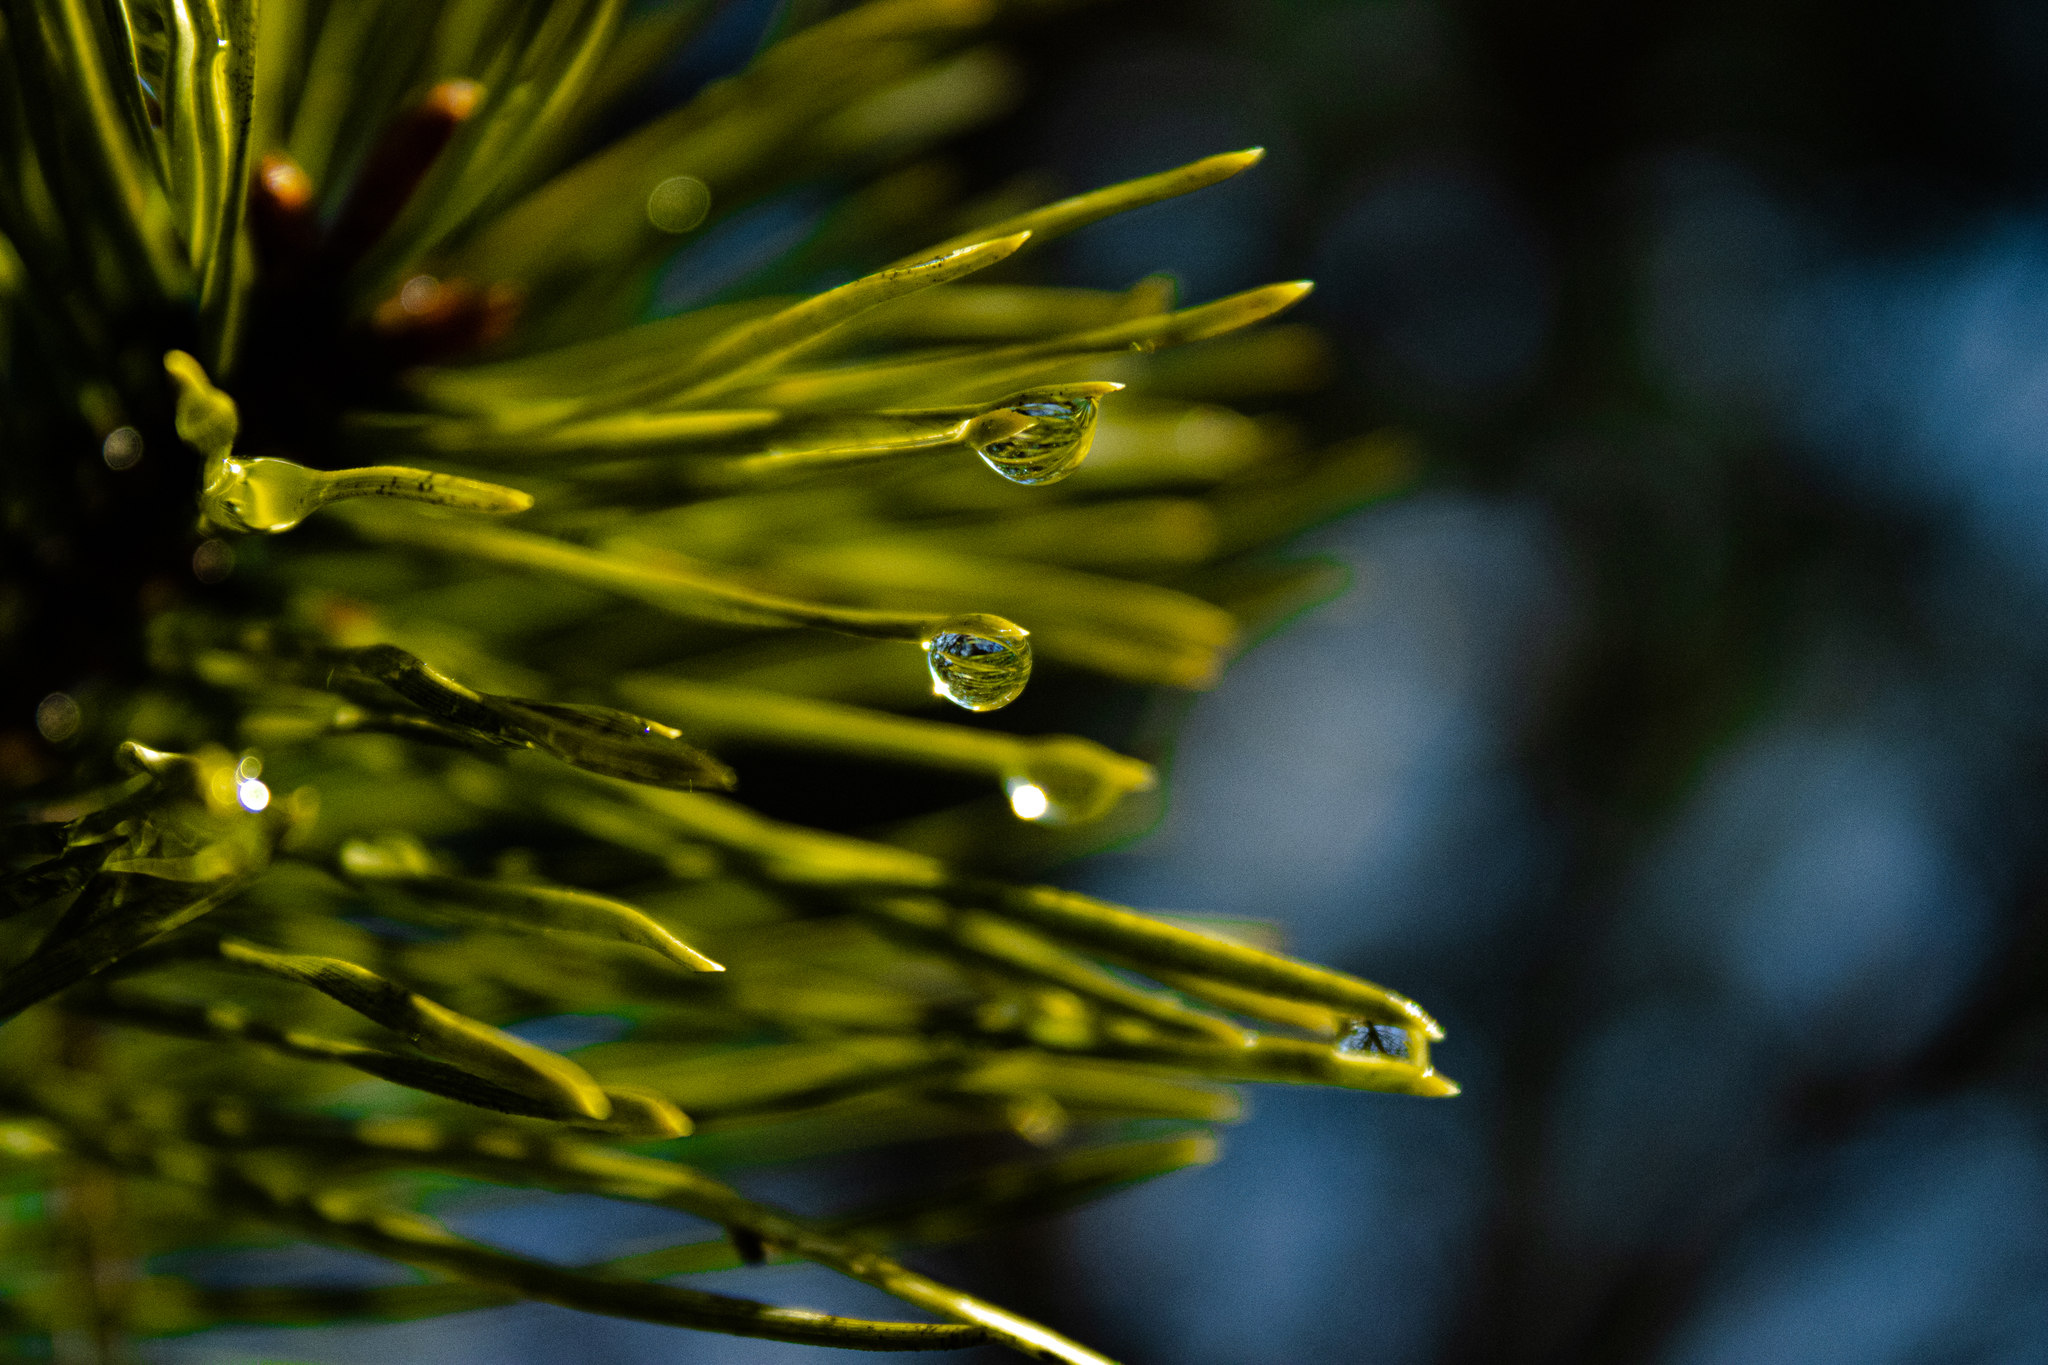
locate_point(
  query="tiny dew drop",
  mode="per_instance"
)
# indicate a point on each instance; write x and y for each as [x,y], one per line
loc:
[978,661]
[1371,1039]
[1040,436]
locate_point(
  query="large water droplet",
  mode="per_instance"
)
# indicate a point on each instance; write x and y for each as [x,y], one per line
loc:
[259,495]
[1041,436]
[978,661]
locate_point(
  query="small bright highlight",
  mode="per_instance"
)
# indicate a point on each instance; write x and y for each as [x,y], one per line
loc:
[253,795]
[1029,801]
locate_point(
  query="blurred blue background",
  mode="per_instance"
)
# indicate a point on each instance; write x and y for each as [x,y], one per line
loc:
[1680,742]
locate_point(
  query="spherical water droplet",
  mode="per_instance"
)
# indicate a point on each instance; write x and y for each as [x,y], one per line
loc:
[1028,800]
[978,661]
[252,795]
[1058,426]
[420,294]
[1063,780]
[213,561]
[122,449]
[58,717]
[679,203]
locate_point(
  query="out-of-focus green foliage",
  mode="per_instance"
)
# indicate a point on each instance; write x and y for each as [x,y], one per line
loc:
[448,753]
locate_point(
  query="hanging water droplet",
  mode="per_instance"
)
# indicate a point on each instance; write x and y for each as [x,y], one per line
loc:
[978,661]
[1040,436]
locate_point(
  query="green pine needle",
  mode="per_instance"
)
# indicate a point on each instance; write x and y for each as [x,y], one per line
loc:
[387,579]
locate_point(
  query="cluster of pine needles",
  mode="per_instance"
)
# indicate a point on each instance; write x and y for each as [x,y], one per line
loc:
[388,564]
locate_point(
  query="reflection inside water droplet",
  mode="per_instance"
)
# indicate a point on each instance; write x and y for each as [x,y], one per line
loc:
[1059,426]
[978,661]
[1383,1040]
[252,795]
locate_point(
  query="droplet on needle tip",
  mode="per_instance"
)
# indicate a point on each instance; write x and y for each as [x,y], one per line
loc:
[978,661]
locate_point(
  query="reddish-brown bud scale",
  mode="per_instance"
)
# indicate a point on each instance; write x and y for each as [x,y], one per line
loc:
[283,219]
[395,168]
[430,319]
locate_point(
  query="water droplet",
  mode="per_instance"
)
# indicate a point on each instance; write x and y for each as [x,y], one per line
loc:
[252,795]
[978,661]
[420,294]
[386,855]
[1028,800]
[1381,1040]
[1058,426]
[58,717]
[259,495]
[213,561]
[679,203]
[1062,780]
[122,449]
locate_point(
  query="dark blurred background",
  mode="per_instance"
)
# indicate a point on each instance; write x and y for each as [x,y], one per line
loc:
[1681,741]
